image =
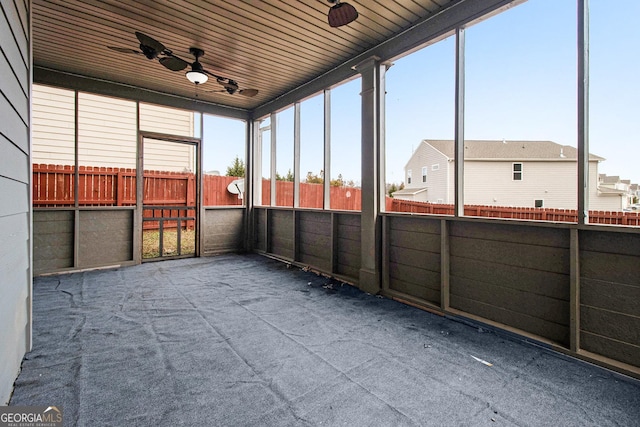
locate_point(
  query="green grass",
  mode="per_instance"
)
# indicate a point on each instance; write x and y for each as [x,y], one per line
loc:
[151,243]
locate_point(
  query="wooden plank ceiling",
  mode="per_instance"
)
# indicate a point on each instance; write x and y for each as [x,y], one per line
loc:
[270,45]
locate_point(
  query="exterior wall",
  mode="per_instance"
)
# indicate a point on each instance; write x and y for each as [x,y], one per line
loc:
[155,118]
[106,131]
[491,183]
[15,208]
[53,129]
[426,156]
[601,203]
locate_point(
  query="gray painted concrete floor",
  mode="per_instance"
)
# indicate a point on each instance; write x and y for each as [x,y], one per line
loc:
[243,340]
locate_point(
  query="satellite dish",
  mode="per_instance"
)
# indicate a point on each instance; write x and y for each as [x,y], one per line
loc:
[236,186]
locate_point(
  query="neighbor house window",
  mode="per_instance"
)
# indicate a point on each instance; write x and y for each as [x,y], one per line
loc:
[538,203]
[409,176]
[517,171]
[435,167]
[424,174]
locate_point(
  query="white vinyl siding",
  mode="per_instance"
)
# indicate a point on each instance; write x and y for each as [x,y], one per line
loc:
[53,133]
[491,183]
[156,118]
[106,131]
[436,184]
[601,203]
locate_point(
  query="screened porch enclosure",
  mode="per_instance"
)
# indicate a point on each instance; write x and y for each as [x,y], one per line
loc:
[307,183]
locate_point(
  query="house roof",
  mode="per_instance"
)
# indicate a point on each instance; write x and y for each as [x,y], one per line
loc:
[608,191]
[510,150]
[410,191]
[606,179]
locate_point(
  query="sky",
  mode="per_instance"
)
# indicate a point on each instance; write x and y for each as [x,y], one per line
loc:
[520,84]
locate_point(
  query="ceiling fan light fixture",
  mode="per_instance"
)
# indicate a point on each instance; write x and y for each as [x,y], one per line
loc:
[197,77]
[341,14]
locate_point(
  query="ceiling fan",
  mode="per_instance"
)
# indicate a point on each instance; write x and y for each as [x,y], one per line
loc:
[153,49]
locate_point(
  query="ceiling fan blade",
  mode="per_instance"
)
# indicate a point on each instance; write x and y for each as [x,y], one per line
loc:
[217,77]
[150,42]
[248,92]
[124,50]
[174,63]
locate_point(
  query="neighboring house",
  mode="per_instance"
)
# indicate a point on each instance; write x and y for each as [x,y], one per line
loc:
[503,173]
[106,131]
[620,190]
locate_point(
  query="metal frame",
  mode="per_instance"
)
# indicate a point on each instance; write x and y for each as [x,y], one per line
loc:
[139,220]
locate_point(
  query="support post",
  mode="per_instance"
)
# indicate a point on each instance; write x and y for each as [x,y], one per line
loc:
[326,184]
[372,74]
[583,112]
[459,126]
[272,163]
[296,155]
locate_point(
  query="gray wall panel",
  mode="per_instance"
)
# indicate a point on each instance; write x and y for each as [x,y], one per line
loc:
[610,294]
[525,255]
[12,126]
[15,90]
[14,195]
[223,230]
[610,242]
[260,219]
[614,297]
[543,328]
[52,240]
[15,209]
[414,257]
[415,240]
[425,260]
[538,282]
[609,267]
[521,281]
[521,234]
[14,163]
[349,254]
[620,327]
[418,291]
[415,224]
[524,302]
[616,350]
[314,239]
[106,237]
[281,233]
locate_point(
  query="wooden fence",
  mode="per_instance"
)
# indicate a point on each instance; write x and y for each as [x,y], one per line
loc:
[53,186]
[535,214]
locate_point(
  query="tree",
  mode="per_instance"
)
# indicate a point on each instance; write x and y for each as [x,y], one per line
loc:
[392,189]
[315,179]
[236,168]
[339,182]
[287,177]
